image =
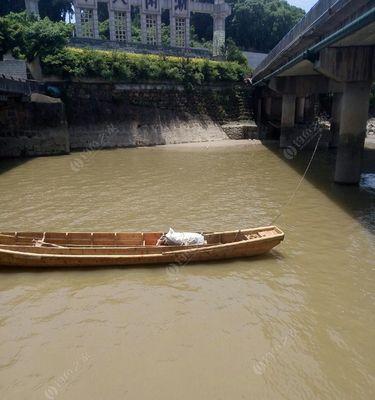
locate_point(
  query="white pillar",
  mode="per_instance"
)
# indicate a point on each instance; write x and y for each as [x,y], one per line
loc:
[129,27]
[172,28]
[143,28]
[96,23]
[32,7]
[219,34]
[187,33]
[111,20]
[158,29]
[78,24]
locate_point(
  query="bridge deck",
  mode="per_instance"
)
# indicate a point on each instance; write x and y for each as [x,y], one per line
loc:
[324,18]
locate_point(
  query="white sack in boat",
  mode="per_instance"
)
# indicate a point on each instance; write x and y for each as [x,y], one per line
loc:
[185,238]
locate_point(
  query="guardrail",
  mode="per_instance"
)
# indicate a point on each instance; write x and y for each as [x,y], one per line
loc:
[19,86]
[323,8]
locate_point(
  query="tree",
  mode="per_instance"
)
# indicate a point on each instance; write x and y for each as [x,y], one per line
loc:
[29,37]
[232,53]
[55,10]
[261,24]
[7,6]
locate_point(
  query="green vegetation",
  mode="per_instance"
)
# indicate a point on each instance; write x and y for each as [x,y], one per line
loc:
[261,24]
[254,24]
[232,53]
[27,37]
[127,67]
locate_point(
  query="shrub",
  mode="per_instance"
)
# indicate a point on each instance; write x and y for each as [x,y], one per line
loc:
[232,53]
[28,37]
[128,67]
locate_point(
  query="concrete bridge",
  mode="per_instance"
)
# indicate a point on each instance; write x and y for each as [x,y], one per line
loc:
[330,51]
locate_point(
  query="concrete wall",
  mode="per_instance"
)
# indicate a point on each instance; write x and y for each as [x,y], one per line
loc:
[106,115]
[33,127]
[13,68]
[102,115]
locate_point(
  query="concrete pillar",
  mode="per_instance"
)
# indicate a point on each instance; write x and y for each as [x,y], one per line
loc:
[354,114]
[143,28]
[187,33]
[158,29]
[129,26]
[335,119]
[112,30]
[78,24]
[288,114]
[96,23]
[32,7]
[218,35]
[259,112]
[172,28]
[268,106]
[300,110]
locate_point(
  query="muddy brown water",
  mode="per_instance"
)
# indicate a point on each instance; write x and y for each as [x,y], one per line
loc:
[298,323]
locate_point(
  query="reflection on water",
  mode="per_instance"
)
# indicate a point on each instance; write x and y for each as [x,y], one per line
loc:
[297,324]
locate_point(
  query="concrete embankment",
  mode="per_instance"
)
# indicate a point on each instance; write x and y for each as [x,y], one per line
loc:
[94,115]
[33,127]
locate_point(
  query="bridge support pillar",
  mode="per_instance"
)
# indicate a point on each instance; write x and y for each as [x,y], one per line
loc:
[268,106]
[300,114]
[354,114]
[288,114]
[335,119]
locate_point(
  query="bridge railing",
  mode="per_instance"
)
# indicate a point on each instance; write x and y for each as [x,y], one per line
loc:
[310,19]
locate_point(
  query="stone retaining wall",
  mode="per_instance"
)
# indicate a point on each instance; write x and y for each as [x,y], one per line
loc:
[94,115]
[33,127]
[120,115]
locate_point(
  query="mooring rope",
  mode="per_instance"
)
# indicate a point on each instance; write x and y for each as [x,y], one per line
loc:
[299,183]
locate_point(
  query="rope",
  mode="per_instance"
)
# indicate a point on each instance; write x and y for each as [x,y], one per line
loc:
[299,183]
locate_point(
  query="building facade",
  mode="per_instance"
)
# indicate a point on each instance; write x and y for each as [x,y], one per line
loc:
[119,11]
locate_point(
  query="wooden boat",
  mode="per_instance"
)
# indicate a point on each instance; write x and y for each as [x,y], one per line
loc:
[54,249]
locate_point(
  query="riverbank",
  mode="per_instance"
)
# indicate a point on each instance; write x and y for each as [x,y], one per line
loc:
[95,115]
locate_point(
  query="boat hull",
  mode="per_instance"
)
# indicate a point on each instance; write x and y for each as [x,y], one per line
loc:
[24,255]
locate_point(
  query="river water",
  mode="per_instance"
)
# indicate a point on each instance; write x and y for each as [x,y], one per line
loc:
[298,323]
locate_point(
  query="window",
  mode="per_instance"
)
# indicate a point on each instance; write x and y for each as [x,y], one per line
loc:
[120,26]
[180,32]
[87,23]
[151,29]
